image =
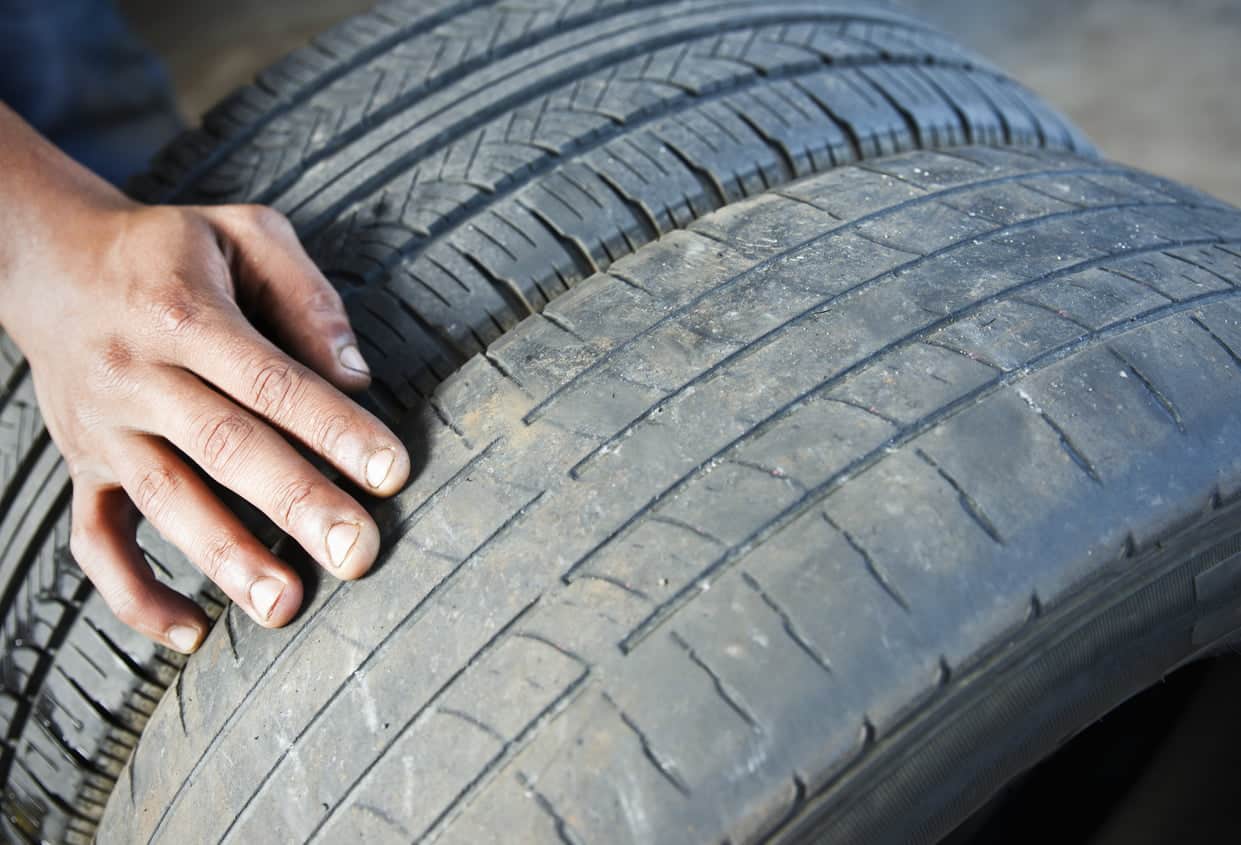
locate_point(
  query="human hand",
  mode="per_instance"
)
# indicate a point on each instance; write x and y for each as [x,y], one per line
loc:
[134,320]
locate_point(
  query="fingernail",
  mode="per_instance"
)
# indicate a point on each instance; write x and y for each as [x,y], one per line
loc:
[378,466]
[341,538]
[264,593]
[183,638]
[351,359]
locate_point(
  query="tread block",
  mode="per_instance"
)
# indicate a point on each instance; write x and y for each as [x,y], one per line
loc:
[723,473]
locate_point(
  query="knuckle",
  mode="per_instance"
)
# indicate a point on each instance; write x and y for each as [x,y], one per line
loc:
[292,498]
[125,606]
[217,555]
[222,440]
[169,217]
[80,545]
[176,312]
[266,219]
[324,301]
[114,366]
[155,489]
[74,464]
[328,431]
[160,223]
[275,388]
[84,530]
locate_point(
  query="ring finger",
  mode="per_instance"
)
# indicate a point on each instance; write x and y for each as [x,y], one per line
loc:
[250,458]
[183,509]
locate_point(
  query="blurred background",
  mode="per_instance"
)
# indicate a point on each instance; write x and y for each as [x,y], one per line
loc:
[1155,83]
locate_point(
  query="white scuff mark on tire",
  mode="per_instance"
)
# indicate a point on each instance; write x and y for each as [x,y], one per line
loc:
[1029,400]
[369,711]
[632,806]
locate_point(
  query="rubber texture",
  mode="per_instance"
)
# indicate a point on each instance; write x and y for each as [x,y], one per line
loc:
[463,169]
[76,685]
[825,517]
[453,167]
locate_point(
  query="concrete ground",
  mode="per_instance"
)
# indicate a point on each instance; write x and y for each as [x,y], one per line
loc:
[1155,83]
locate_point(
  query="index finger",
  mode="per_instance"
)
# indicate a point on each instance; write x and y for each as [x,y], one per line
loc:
[230,354]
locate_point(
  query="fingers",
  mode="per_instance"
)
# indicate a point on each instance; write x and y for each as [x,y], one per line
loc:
[229,353]
[251,459]
[181,507]
[280,282]
[103,544]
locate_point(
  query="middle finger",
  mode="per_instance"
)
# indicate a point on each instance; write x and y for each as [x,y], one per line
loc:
[250,458]
[232,355]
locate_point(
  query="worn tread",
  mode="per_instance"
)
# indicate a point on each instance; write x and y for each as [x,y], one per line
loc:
[494,202]
[969,304]
[454,167]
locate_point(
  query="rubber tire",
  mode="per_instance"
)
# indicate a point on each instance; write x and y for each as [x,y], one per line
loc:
[372,140]
[461,169]
[824,518]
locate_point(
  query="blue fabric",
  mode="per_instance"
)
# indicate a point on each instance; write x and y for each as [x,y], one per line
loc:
[74,71]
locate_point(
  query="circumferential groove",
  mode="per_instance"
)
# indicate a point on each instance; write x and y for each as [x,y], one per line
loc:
[289,90]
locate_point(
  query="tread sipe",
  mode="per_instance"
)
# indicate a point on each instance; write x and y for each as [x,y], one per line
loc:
[454,167]
[454,173]
[825,516]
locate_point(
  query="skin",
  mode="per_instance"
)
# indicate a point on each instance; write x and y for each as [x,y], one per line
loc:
[135,321]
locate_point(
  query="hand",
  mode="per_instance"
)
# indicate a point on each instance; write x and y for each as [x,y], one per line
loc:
[133,320]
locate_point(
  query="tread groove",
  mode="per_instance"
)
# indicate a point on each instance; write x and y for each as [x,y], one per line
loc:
[494,766]
[230,632]
[666,771]
[864,462]
[615,582]
[814,392]
[401,731]
[968,504]
[1232,353]
[542,640]
[563,325]
[122,656]
[563,829]
[1075,454]
[1201,267]
[718,683]
[467,718]
[180,704]
[1161,399]
[438,409]
[787,623]
[507,290]
[104,713]
[876,574]
[849,227]
[409,618]
[1137,281]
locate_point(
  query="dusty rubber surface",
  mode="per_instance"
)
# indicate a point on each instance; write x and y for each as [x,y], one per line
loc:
[895,476]
[453,167]
[455,172]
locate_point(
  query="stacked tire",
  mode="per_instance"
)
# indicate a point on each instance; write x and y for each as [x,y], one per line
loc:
[811,434]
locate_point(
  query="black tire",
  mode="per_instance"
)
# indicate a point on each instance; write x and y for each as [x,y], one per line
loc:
[454,172]
[660,111]
[823,518]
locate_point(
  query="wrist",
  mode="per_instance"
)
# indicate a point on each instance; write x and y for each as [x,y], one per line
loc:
[54,217]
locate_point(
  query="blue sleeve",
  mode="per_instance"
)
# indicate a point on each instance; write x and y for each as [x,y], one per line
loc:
[74,71]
